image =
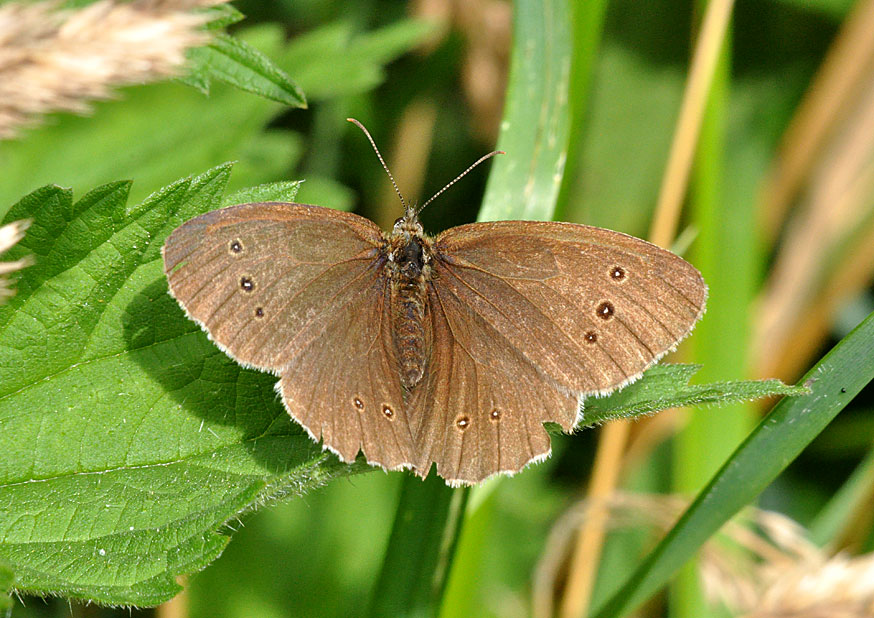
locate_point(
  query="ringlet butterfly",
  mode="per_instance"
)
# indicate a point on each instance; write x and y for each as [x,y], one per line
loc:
[412,349]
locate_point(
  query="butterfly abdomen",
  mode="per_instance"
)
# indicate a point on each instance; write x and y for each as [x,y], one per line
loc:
[409,272]
[409,330]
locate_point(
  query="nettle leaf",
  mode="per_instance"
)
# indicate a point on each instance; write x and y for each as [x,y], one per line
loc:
[283,191]
[667,386]
[221,16]
[6,581]
[127,439]
[235,62]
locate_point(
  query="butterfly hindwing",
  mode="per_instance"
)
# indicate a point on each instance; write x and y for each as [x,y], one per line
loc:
[344,387]
[481,406]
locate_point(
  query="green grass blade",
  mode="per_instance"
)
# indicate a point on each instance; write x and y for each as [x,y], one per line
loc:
[587,29]
[524,183]
[778,439]
[724,252]
[419,552]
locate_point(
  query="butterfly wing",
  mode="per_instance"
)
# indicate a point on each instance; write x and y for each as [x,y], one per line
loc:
[300,291]
[590,308]
[258,277]
[345,387]
[531,316]
[481,407]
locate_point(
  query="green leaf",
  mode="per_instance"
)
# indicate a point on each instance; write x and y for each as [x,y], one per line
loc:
[6,581]
[126,437]
[222,15]
[239,64]
[332,61]
[778,439]
[269,192]
[667,386]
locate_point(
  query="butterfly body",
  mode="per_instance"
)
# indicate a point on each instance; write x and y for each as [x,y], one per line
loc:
[409,271]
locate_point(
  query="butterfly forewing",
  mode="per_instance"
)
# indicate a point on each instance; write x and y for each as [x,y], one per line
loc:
[590,308]
[259,277]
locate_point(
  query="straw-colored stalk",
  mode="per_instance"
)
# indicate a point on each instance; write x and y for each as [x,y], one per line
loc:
[615,436]
[760,565]
[10,234]
[59,60]
[820,196]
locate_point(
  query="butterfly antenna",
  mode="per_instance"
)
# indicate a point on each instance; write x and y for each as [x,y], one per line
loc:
[407,208]
[459,177]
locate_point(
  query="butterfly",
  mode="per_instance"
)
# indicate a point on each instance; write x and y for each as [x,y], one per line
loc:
[416,350]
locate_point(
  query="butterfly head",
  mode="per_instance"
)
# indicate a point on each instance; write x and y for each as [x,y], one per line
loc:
[409,244]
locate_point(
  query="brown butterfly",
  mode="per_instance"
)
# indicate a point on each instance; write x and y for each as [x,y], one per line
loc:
[414,349]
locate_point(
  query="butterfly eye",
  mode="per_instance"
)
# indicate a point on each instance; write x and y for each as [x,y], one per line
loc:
[462,422]
[358,403]
[236,246]
[591,336]
[617,273]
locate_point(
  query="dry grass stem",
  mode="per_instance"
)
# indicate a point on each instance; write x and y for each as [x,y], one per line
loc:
[410,150]
[760,565]
[59,60]
[812,257]
[674,184]
[842,73]
[587,550]
[10,234]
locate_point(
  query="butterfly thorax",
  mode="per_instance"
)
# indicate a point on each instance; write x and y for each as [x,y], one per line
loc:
[409,256]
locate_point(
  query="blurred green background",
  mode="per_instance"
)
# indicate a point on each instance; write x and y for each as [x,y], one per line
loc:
[428,79]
